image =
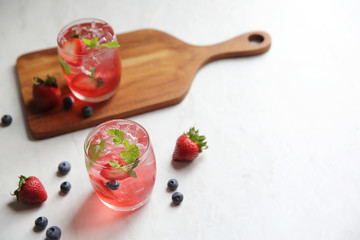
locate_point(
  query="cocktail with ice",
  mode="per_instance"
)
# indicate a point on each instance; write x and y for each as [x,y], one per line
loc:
[121,164]
[89,56]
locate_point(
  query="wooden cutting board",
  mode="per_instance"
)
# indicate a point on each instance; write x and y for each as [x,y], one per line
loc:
[158,70]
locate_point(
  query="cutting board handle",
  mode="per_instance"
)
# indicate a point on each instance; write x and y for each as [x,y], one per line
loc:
[247,44]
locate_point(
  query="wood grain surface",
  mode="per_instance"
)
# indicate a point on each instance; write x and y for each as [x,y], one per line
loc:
[157,71]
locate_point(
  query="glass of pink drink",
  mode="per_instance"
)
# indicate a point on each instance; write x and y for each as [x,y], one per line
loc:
[121,164]
[89,56]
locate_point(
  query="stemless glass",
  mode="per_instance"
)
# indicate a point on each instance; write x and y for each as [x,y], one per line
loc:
[90,61]
[115,187]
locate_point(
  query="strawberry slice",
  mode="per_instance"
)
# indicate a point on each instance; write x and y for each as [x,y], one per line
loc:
[113,173]
[72,49]
[85,83]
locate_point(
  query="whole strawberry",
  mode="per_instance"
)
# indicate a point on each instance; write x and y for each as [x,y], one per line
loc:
[30,190]
[46,94]
[189,145]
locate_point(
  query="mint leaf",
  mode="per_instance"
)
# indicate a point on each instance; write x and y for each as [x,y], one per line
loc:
[130,154]
[112,44]
[114,164]
[96,149]
[132,173]
[64,66]
[118,135]
[126,143]
[91,43]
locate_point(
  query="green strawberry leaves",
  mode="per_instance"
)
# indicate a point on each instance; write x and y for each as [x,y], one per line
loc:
[22,182]
[50,81]
[199,140]
[130,155]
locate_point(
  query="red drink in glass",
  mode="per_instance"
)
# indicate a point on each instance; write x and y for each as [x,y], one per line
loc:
[90,60]
[118,187]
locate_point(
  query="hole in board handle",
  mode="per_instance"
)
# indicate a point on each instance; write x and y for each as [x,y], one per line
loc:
[256,39]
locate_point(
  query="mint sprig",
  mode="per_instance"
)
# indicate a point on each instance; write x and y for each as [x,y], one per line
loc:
[130,155]
[93,43]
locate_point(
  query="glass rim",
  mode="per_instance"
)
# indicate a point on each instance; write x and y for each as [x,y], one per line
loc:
[87,139]
[79,21]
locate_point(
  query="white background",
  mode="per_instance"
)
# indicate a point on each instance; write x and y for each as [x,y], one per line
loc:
[283,127]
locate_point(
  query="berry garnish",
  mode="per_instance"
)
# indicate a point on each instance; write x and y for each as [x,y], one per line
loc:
[68,102]
[64,167]
[114,173]
[130,155]
[87,111]
[65,187]
[53,233]
[6,120]
[72,49]
[113,185]
[30,190]
[189,145]
[46,94]
[88,82]
[172,184]
[177,198]
[41,223]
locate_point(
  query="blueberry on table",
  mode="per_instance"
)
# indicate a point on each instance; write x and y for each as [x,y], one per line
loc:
[64,167]
[65,187]
[6,120]
[41,223]
[87,111]
[177,198]
[172,184]
[53,233]
[113,185]
[68,102]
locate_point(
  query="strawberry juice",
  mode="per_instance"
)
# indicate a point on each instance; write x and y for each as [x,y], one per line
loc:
[89,56]
[121,164]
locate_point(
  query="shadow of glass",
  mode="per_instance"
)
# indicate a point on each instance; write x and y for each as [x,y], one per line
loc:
[94,214]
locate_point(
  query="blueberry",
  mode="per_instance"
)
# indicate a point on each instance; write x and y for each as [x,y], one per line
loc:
[68,102]
[53,233]
[87,111]
[41,223]
[6,120]
[172,184]
[65,187]
[64,167]
[113,185]
[177,198]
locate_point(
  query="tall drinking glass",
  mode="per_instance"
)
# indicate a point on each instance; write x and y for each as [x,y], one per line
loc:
[89,56]
[121,164]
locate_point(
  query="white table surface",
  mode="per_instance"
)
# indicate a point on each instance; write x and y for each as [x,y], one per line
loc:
[283,127]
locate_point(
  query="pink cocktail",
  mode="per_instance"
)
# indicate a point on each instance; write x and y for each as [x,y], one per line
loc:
[89,56]
[121,164]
